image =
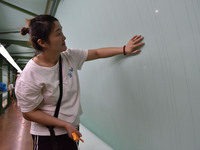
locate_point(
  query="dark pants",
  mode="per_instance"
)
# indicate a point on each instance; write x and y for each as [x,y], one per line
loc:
[45,143]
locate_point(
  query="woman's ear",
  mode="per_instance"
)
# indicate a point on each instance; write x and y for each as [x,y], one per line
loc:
[41,43]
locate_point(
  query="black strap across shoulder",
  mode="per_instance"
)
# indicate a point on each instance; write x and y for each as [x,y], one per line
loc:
[51,128]
[61,88]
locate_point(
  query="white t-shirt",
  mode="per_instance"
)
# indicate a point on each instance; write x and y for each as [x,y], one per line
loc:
[38,87]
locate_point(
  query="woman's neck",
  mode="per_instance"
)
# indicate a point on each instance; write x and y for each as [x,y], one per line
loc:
[46,59]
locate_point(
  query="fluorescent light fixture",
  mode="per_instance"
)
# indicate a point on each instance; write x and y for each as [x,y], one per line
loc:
[7,56]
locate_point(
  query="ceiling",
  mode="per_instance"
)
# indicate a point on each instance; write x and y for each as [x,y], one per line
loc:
[13,17]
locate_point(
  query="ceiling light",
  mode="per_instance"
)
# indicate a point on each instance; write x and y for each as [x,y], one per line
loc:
[7,56]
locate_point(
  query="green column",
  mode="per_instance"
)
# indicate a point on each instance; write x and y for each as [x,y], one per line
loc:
[1,95]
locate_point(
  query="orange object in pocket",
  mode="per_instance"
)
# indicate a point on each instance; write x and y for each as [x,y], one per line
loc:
[76,137]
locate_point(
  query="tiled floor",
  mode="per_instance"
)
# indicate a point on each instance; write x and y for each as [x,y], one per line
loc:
[14,130]
[14,133]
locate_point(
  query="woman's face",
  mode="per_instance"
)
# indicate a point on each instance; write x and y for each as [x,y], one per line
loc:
[57,39]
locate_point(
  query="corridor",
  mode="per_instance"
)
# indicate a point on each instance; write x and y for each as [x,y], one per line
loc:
[14,130]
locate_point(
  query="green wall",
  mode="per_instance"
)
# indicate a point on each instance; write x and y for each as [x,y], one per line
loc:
[144,102]
[7,76]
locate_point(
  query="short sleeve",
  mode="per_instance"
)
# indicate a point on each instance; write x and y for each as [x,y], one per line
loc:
[29,96]
[79,56]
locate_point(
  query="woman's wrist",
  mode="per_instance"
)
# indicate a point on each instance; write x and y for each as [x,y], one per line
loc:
[124,49]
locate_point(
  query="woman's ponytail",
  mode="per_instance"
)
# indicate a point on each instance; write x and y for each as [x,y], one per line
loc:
[24,31]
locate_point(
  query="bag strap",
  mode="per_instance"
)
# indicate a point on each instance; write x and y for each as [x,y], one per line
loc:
[51,128]
[61,88]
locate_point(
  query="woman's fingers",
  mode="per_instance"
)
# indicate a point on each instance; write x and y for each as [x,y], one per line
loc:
[78,133]
[136,51]
[134,37]
[139,44]
[138,39]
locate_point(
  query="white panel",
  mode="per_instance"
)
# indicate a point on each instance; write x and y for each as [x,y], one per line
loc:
[91,141]
[149,101]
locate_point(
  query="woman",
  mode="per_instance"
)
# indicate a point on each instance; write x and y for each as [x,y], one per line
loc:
[37,88]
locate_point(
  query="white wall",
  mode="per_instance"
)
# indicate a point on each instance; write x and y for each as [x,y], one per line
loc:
[149,101]
[91,141]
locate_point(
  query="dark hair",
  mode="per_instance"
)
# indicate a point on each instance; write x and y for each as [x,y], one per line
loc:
[39,27]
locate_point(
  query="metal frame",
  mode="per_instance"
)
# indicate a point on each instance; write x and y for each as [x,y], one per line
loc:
[18,8]
[8,32]
[51,7]
[16,42]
